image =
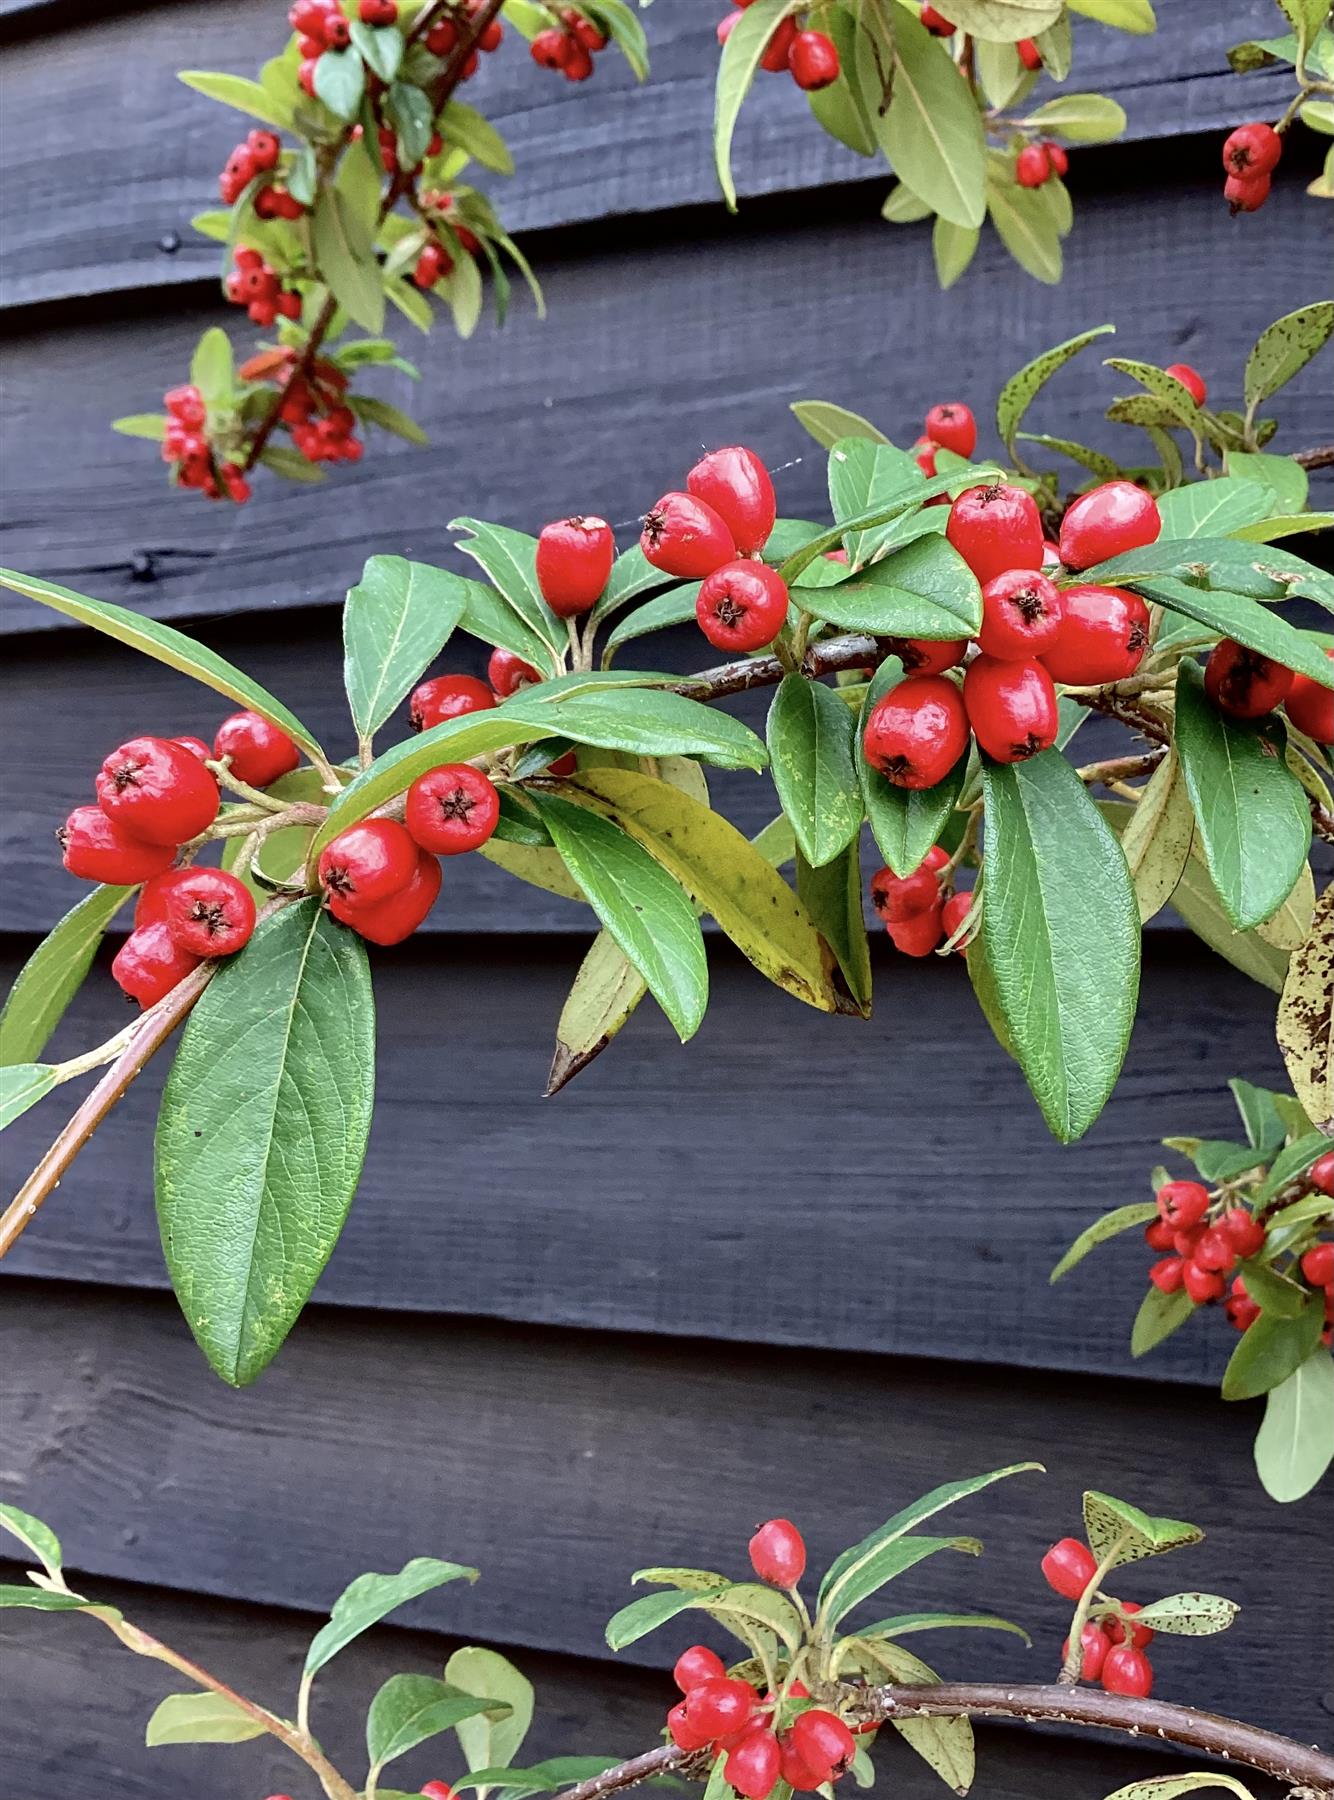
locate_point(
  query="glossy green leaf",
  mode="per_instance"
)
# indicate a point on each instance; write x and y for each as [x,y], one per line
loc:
[380,47]
[471,131]
[487,1739]
[22,1085]
[340,82]
[53,974]
[510,559]
[396,621]
[1110,1225]
[905,1624]
[372,1597]
[1286,479]
[923,590]
[1093,460]
[606,991]
[865,477]
[1220,565]
[632,574]
[842,108]
[1158,837]
[1265,1129]
[246,96]
[1271,1348]
[1061,929]
[737,67]
[620,23]
[1212,508]
[201,1718]
[810,754]
[1285,348]
[490,617]
[409,1709]
[1253,821]
[1259,627]
[743,1607]
[1158,1317]
[1295,1443]
[829,424]
[1080,118]
[890,1558]
[1268,531]
[832,895]
[900,517]
[37,1538]
[1292,1161]
[262,1133]
[1189,1615]
[932,132]
[1022,389]
[675,607]
[1115,1529]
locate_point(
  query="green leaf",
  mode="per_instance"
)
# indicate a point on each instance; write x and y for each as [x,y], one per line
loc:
[1171,1787]
[632,574]
[1250,811]
[952,248]
[743,1607]
[1265,1130]
[1125,15]
[211,366]
[245,96]
[409,1709]
[53,974]
[1268,531]
[832,895]
[290,464]
[510,559]
[1024,224]
[1291,1162]
[381,48]
[1094,460]
[487,1740]
[1021,389]
[1118,1530]
[37,1538]
[1056,46]
[736,70]
[841,108]
[466,127]
[1123,1218]
[1158,837]
[866,477]
[396,621]
[620,23]
[389,418]
[346,254]
[142,425]
[901,514]
[1305,1027]
[1284,348]
[203,1718]
[1082,118]
[1189,1615]
[829,424]
[40,1600]
[1005,21]
[890,1558]
[1271,1348]
[924,590]
[606,991]
[1286,479]
[1196,899]
[1295,1443]
[410,111]
[490,617]
[1276,1293]
[371,1597]
[1212,508]
[675,607]
[640,904]
[22,1085]
[1158,1317]
[1219,566]
[810,753]
[932,132]
[903,1624]
[904,822]
[1061,929]
[340,81]
[262,1133]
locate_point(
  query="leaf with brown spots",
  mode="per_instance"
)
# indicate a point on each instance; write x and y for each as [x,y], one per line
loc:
[1304,1026]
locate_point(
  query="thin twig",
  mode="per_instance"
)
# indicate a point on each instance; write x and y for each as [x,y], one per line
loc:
[1122,768]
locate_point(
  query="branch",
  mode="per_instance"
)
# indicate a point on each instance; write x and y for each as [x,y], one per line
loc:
[1322,457]
[824,658]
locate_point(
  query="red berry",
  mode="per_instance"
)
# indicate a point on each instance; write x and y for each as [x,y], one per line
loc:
[953,427]
[1246,193]
[1159,1235]
[378,12]
[778,1553]
[151,906]
[719,1707]
[367,863]
[398,917]
[437,1790]
[507,672]
[822,1740]
[697,1664]
[264,148]
[1104,634]
[207,911]
[187,405]
[924,455]
[1247,1235]
[1107,520]
[1182,1203]
[995,529]
[742,605]
[1058,158]
[150,963]
[936,23]
[574,558]
[1095,1644]
[157,790]
[1167,1275]
[897,898]
[736,484]
[779,46]
[1203,1285]
[1239,1309]
[433,262]
[795,1771]
[1032,166]
[452,809]
[444,35]
[493,36]
[920,934]
[1021,615]
[305,75]
[754,1766]
[916,732]
[1310,707]
[1215,1251]
[337,32]
[952,915]
[1318,1265]
[1011,707]
[727,25]
[98,849]
[1141,1636]
[1127,1671]
[550,49]
[1190,379]
[447,697]
[926,656]
[1069,1567]
[259,750]
[578,65]
[1251,151]
[1029,54]
[1321,1173]
[683,1734]
[584,29]
[1242,683]
[813,60]
[1184,1242]
[686,537]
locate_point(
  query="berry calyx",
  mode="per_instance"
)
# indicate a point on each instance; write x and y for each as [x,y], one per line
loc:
[994,529]
[952,426]
[1182,1203]
[719,1707]
[753,1767]
[742,605]
[398,917]
[823,1741]
[1011,707]
[1021,615]
[1310,707]
[260,752]
[916,732]
[778,1553]
[695,1665]
[367,863]
[1094,1644]
[150,963]
[96,848]
[157,790]
[1318,1265]
[1243,683]
[813,60]
[451,809]
[507,673]
[736,484]
[447,697]
[207,911]
[1108,520]
[1069,1567]
[1190,379]
[1127,1671]
[686,537]
[574,558]
[1103,637]
[1252,150]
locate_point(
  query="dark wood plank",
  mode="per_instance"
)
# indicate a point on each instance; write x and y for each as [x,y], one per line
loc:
[634,1201]
[75,1709]
[618,150]
[558,1463]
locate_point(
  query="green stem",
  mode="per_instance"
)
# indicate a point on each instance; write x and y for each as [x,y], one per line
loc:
[1074,1658]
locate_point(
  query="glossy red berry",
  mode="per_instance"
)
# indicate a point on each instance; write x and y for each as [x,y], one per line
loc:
[150,963]
[1127,1671]
[261,753]
[1069,1567]
[1032,166]
[994,529]
[1095,1644]
[900,897]
[157,790]
[451,809]
[1108,520]
[578,64]
[1310,707]
[778,1553]
[936,23]
[952,426]
[1021,615]
[697,1664]
[916,732]
[686,537]
[447,697]
[392,920]
[1240,1310]
[207,911]
[1011,707]
[507,673]
[432,263]
[1059,159]
[952,915]
[367,863]
[813,60]
[921,933]
[437,1790]
[924,455]
[1141,1636]
[1252,150]
[718,1708]
[1246,1234]
[926,656]
[727,24]
[736,484]
[574,558]
[550,49]
[1029,55]
[1104,634]
[1203,1285]
[98,849]
[753,1767]
[1215,1251]
[1182,1203]
[377,12]
[1159,1235]
[1246,193]
[186,404]
[1321,1173]
[1167,1275]
[1243,683]
[742,605]
[151,906]
[822,1740]
[1184,1242]
[682,1733]
[779,47]
[1318,1265]
[795,1770]
[1191,380]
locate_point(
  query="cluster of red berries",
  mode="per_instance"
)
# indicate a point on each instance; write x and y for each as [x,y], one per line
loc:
[917,912]
[714,533]
[809,57]
[1038,162]
[1250,156]
[185,445]
[435,261]
[443,37]
[1113,1645]
[313,407]
[258,155]
[939,26]
[569,47]
[1246,685]
[257,287]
